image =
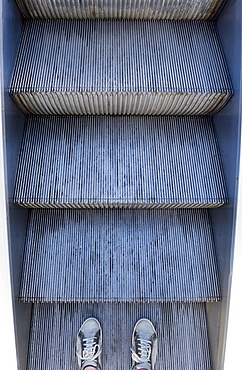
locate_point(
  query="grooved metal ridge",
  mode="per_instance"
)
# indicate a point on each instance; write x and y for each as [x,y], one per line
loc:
[119,256]
[119,162]
[120,67]
[118,9]
[182,335]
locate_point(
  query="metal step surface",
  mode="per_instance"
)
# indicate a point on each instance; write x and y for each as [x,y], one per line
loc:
[119,162]
[115,67]
[119,256]
[182,335]
[135,9]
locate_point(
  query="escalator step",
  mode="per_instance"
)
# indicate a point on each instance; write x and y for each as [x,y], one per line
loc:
[135,9]
[182,335]
[119,256]
[120,67]
[119,162]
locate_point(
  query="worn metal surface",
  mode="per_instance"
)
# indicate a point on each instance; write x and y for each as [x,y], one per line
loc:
[135,9]
[122,162]
[120,67]
[182,334]
[119,255]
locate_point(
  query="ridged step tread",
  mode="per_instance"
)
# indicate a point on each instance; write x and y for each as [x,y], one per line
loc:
[120,67]
[119,162]
[118,256]
[135,9]
[182,335]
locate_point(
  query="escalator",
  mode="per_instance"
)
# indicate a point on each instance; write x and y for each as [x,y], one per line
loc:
[121,127]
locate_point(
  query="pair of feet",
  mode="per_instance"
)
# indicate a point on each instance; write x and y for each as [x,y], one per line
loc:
[89,345]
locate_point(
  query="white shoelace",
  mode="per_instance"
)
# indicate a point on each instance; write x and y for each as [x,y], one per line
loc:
[144,351]
[91,350]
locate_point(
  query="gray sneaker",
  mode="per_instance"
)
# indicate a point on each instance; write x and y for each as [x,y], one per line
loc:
[89,344]
[144,345]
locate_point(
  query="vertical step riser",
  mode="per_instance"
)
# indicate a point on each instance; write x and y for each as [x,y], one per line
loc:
[118,9]
[120,67]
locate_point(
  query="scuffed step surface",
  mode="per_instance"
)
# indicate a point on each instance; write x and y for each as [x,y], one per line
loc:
[182,335]
[121,162]
[120,67]
[122,255]
[135,9]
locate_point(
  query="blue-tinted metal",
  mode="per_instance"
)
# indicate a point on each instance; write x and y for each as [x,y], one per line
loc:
[119,256]
[13,121]
[119,9]
[182,334]
[120,67]
[228,130]
[119,162]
